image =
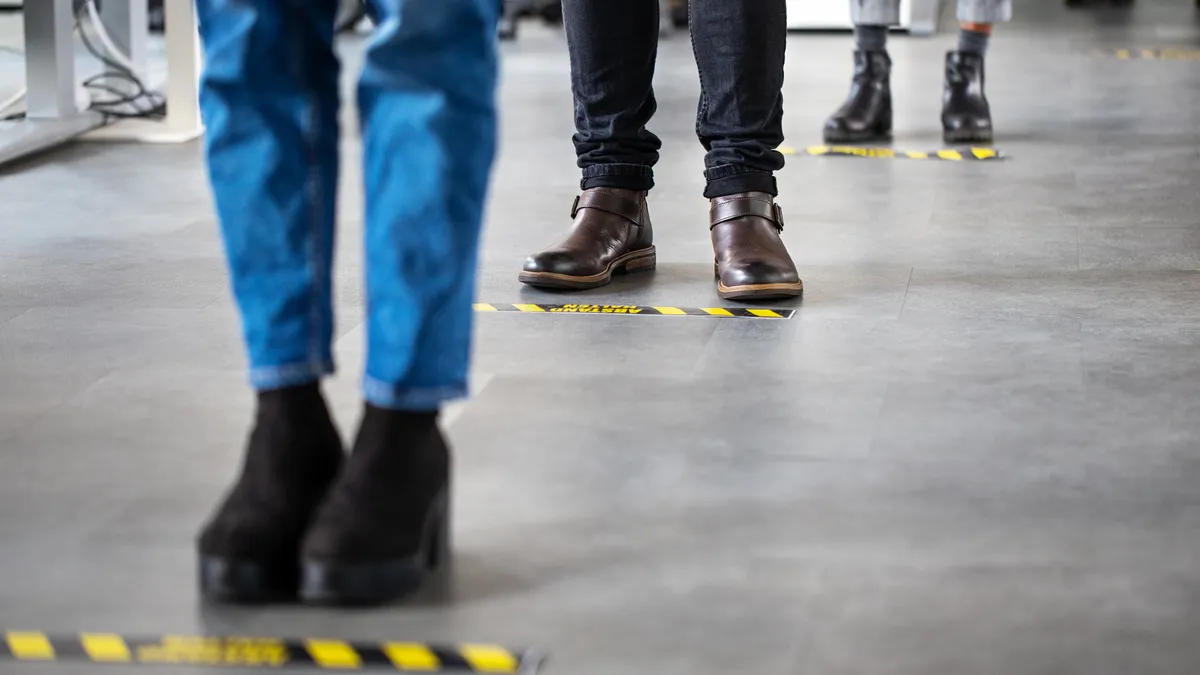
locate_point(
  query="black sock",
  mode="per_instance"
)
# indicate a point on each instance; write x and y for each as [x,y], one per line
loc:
[870,38]
[973,42]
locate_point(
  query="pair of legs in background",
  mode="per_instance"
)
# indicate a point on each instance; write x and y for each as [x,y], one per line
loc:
[739,47]
[866,114]
[303,519]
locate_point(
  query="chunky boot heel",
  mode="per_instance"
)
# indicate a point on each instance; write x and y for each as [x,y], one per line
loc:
[638,261]
[249,549]
[440,554]
[369,583]
[385,528]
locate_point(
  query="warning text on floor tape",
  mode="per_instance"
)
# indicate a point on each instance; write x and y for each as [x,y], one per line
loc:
[639,310]
[244,652]
[1152,54]
[874,152]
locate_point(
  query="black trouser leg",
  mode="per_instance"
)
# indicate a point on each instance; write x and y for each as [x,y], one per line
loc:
[739,47]
[613,46]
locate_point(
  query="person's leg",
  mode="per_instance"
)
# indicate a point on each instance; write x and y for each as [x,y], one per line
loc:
[613,45]
[973,38]
[270,101]
[427,100]
[866,114]
[966,115]
[739,46]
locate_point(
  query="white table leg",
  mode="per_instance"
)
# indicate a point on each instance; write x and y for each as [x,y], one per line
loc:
[182,90]
[53,115]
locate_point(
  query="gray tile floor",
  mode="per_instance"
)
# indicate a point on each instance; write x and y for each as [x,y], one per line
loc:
[974,451]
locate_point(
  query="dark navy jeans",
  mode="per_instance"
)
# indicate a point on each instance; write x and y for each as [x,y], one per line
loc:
[739,47]
[426,98]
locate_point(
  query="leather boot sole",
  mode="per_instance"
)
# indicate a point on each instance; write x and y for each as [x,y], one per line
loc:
[228,581]
[760,291]
[343,584]
[643,260]
[967,136]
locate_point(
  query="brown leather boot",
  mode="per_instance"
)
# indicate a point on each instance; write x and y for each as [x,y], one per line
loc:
[611,235]
[752,262]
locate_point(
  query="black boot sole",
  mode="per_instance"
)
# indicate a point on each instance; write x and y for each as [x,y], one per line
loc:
[227,581]
[872,136]
[642,260]
[972,136]
[345,584]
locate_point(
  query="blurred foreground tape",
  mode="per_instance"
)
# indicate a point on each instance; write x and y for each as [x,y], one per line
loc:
[244,652]
[638,310]
[876,152]
[1153,54]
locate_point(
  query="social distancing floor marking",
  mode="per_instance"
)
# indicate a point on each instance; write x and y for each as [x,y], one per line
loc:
[1153,54]
[876,152]
[245,652]
[639,310]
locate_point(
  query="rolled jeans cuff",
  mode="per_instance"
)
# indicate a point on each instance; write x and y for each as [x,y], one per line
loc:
[621,176]
[266,378]
[732,179]
[412,399]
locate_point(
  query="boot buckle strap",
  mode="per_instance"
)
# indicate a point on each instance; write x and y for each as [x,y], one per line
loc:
[618,206]
[744,207]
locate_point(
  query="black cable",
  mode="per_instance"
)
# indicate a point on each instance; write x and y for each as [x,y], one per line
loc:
[117,108]
[122,97]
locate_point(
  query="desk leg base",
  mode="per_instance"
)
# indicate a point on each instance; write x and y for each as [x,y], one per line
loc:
[145,131]
[31,136]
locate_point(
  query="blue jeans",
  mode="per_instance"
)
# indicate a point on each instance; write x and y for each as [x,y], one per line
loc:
[426,98]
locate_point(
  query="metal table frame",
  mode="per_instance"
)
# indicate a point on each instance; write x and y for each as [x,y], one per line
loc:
[53,116]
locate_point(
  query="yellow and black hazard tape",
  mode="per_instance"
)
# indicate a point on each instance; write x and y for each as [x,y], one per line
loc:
[1153,54]
[639,310]
[874,152]
[244,652]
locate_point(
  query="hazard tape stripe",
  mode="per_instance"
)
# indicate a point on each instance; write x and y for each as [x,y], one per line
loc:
[244,652]
[873,152]
[640,310]
[1153,54]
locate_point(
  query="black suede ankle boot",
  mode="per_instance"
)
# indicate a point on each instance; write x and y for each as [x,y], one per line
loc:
[385,525]
[966,115]
[866,115]
[250,548]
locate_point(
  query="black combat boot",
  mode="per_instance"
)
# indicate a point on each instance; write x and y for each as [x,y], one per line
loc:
[385,525]
[250,548]
[966,116]
[866,115]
